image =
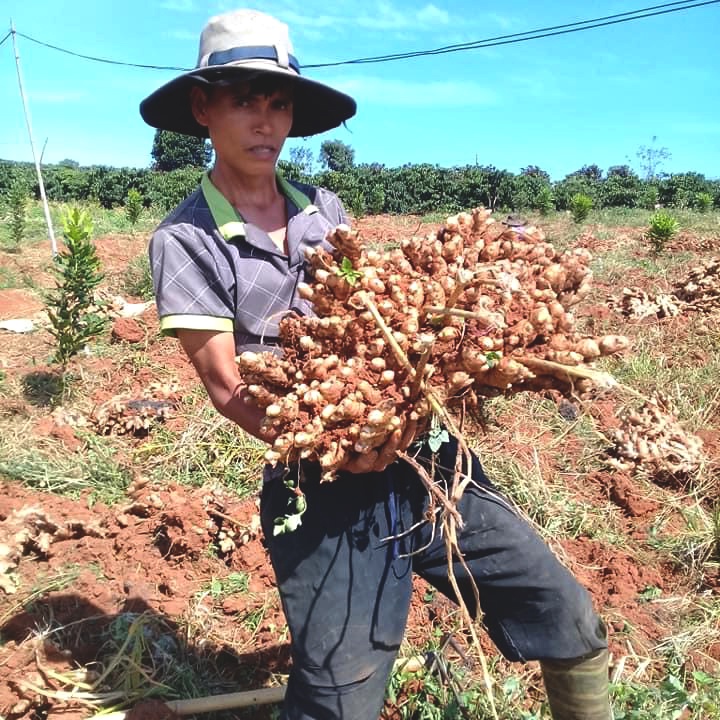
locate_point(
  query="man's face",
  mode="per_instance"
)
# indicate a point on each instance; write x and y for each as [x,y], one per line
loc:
[247,122]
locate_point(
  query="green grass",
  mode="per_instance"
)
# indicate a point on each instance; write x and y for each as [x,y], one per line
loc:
[137,278]
[105,221]
[219,588]
[9,279]
[696,697]
[546,496]
[690,384]
[52,469]
[210,450]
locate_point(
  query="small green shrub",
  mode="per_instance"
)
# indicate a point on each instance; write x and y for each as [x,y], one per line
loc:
[580,207]
[77,271]
[17,201]
[703,202]
[663,227]
[545,200]
[649,197]
[133,206]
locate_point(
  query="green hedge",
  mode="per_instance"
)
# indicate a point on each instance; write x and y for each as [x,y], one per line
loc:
[374,188]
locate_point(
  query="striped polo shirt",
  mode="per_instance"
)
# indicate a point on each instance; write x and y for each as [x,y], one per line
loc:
[213,271]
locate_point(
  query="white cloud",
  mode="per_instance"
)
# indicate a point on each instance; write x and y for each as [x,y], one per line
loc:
[385,16]
[444,94]
[504,22]
[49,96]
[381,16]
[183,35]
[184,6]
[432,15]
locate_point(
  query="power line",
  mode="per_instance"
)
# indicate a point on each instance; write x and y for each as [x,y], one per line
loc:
[103,60]
[528,35]
[564,29]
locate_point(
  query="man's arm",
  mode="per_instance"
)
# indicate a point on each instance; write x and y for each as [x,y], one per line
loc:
[212,353]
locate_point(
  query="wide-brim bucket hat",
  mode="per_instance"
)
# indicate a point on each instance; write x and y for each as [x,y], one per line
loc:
[242,45]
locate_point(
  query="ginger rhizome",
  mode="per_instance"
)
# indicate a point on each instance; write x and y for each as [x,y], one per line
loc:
[472,310]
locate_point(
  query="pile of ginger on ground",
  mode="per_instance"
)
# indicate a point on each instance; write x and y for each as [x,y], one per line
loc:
[472,310]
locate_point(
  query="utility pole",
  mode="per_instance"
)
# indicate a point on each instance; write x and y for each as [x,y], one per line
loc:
[48,220]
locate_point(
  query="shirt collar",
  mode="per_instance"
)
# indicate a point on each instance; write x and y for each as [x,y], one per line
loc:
[229,221]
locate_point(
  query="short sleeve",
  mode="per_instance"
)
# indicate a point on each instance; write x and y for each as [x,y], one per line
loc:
[330,206]
[193,289]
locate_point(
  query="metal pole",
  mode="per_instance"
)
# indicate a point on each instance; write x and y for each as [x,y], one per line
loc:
[48,221]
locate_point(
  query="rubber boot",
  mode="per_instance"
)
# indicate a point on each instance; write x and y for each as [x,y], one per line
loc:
[578,689]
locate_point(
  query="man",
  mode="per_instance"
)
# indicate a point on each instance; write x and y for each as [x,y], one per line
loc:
[226,265]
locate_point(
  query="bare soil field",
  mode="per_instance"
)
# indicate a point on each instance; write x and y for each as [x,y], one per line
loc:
[161,588]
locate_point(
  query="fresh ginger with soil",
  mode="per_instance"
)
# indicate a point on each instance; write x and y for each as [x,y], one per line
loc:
[470,311]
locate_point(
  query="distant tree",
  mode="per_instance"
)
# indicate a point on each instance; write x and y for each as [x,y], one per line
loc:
[335,155]
[532,190]
[591,172]
[303,158]
[173,151]
[621,188]
[651,157]
[623,171]
[67,162]
[535,172]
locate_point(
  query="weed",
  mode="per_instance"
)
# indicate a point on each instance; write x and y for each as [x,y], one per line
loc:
[9,279]
[696,698]
[137,279]
[689,547]
[44,387]
[518,466]
[446,690]
[219,588]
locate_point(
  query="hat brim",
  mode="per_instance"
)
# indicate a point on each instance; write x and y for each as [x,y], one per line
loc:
[316,107]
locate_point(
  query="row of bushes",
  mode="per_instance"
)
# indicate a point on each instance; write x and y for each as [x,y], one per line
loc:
[373,188]
[105,185]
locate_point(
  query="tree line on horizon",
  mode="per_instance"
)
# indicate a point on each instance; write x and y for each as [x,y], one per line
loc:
[373,188]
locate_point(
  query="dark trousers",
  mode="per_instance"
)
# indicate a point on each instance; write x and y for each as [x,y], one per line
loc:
[346,588]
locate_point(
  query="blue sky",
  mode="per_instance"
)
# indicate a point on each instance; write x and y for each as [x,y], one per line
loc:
[561,102]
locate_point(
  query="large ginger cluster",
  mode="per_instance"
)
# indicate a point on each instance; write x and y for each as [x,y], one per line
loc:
[701,287]
[473,310]
[653,438]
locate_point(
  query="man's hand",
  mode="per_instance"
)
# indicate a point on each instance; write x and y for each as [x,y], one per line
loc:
[387,453]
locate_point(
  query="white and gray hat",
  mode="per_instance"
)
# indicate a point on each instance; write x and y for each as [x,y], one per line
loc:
[243,45]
